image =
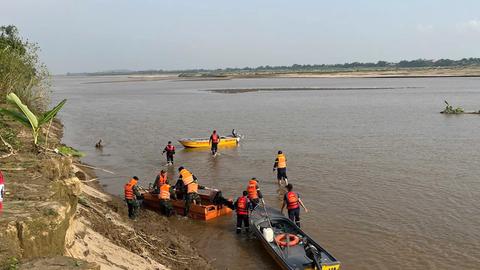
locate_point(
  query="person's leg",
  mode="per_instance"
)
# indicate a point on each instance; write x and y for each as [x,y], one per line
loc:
[168,208]
[187,204]
[297,216]
[291,215]
[246,223]
[130,209]
[239,223]
[136,207]
[162,207]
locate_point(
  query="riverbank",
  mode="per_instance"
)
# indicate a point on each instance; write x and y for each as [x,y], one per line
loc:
[56,216]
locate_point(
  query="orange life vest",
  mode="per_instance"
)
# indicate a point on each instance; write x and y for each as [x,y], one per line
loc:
[252,189]
[242,208]
[165,192]
[162,179]
[282,161]
[187,177]
[192,187]
[215,138]
[292,200]
[129,194]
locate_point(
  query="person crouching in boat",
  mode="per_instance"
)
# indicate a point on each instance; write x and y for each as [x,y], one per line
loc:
[243,206]
[281,166]
[132,195]
[170,150]
[159,181]
[190,188]
[214,141]
[166,207]
[293,202]
[253,191]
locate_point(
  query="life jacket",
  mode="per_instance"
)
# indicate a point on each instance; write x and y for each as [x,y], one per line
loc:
[187,177]
[192,187]
[242,206]
[292,200]
[129,194]
[215,138]
[162,179]
[282,161]
[252,189]
[170,148]
[165,192]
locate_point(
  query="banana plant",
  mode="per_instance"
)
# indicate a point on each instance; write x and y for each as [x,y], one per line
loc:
[28,118]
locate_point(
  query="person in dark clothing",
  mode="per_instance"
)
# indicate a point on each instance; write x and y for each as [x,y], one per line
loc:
[243,206]
[170,150]
[281,166]
[293,202]
[214,141]
[132,195]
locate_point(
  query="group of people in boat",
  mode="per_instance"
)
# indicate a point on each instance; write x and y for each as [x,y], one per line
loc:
[187,187]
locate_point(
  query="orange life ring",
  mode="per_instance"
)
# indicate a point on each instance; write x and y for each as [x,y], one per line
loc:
[292,240]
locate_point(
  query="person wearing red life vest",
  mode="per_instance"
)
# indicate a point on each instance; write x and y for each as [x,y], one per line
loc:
[170,150]
[132,195]
[242,207]
[292,201]
[2,191]
[281,166]
[253,191]
[214,141]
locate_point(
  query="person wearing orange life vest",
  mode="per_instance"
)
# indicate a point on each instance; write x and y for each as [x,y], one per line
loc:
[190,185]
[165,203]
[159,181]
[292,201]
[214,141]
[243,206]
[253,191]
[131,196]
[170,150]
[281,166]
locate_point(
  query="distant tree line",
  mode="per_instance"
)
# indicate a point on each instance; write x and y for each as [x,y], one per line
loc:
[418,63]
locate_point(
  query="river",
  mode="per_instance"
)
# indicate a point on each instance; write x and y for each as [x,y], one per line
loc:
[390,183]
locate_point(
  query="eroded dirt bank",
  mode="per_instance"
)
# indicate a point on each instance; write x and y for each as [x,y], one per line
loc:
[55,216]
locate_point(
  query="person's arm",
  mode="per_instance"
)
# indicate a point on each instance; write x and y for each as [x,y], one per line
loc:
[260,195]
[137,193]
[173,151]
[194,177]
[201,187]
[155,183]
[301,203]
[235,204]
[164,150]
[275,165]
[210,140]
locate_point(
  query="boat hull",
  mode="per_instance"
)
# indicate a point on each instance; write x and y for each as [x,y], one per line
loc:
[204,143]
[205,211]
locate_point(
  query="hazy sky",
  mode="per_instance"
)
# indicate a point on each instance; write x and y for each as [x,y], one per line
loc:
[87,35]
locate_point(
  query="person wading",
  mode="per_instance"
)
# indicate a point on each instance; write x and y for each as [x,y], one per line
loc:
[132,195]
[190,188]
[281,166]
[214,141]
[159,181]
[253,191]
[165,203]
[293,202]
[243,206]
[170,150]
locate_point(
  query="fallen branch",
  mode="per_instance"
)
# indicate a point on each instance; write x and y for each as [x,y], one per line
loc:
[9,146]
[13,169]
[91,167]
[91,180]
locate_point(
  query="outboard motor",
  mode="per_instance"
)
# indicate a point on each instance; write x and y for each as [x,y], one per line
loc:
[312,253]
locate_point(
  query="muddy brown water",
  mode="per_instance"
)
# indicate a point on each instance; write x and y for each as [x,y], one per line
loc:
[390,183]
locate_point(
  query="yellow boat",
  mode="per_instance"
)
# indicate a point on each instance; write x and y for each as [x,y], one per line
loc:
[227,141]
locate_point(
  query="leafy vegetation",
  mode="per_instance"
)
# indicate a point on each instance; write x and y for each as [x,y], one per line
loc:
[70,151]
[450,110]
[21,71]
[26,117]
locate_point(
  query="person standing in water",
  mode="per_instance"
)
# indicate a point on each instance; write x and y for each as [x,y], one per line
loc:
[281,167]
[170,150]
[293,203]
[214,141]
[243,206]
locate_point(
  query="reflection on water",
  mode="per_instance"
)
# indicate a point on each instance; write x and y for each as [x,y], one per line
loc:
[389,182]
